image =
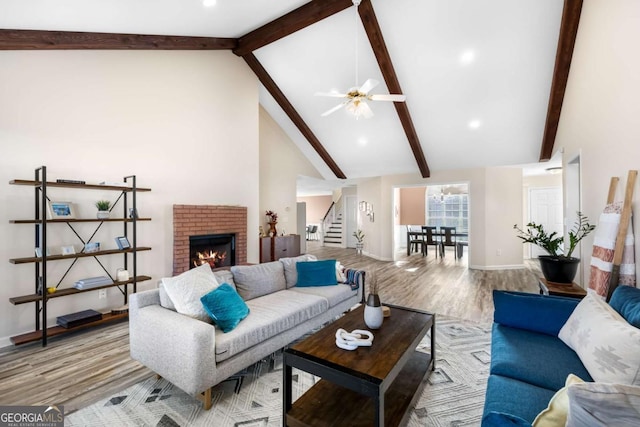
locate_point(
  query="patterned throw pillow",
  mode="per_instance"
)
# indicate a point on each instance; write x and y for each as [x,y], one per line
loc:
[598,404]
[606,344]
[186,289]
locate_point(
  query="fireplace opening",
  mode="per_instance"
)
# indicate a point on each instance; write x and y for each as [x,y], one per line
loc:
[219,250]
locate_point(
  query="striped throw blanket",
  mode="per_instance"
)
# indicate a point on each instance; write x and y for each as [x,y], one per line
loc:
[603,248]
[355,278]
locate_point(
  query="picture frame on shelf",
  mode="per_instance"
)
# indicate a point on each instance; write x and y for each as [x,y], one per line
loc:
[68,250]
[133,213]
[91,247]
[122,242]
[39,252]
[61,210]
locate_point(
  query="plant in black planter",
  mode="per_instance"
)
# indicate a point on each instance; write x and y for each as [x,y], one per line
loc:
[557,267]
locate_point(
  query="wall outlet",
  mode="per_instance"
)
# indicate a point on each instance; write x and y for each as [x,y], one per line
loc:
[102,294]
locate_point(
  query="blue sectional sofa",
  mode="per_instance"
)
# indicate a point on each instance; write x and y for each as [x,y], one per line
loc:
[529,363]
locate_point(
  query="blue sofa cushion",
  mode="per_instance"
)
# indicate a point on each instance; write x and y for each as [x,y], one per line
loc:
[515,398]
[538,359]
[626,301]
[500,419]
[533,312]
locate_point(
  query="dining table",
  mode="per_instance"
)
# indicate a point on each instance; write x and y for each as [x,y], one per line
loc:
[438,235]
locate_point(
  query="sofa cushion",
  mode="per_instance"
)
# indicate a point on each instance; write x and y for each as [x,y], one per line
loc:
[603,405]
[290,271]
[269,315]
[539,359]
[253,281]
[333,294]
[186,289]
[225,276]
[500,419]
[555,414]
[317,273]
[517,398]
[626,301]
[225,307]
[538,313]
[605,342]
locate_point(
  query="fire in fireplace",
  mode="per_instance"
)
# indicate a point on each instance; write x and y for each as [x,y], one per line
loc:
[219,250]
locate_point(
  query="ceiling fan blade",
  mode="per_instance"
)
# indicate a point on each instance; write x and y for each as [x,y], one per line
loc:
[368,85]
[332,94]
[394,98]
[334,109]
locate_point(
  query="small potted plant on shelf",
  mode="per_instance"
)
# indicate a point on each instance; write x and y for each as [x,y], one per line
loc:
[103,209]
[557,267]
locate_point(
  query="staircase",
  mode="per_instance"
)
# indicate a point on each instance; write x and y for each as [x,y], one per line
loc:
[333,233]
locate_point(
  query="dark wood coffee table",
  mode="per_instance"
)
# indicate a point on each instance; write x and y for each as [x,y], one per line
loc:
[369,386]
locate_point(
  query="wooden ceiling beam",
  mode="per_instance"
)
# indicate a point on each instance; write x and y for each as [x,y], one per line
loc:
[293,21]
[371,26]
[30,39]
[286,106]
[566,42]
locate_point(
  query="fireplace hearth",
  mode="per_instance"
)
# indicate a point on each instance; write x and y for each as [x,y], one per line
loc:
[218,250]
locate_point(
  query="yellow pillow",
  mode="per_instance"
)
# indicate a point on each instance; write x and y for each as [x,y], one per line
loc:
[555,415]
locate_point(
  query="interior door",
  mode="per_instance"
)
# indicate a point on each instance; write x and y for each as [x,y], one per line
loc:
[351,224]
[545,208]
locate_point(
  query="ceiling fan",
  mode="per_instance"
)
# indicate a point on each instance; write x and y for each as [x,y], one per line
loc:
[357,97]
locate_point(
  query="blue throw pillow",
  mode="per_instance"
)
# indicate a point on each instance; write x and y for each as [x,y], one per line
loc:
[532,312]
[316,273]
[225,307]
[626,301]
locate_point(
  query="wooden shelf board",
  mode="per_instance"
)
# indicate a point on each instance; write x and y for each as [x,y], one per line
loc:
[79,255]
[39,221]
[327,404]
[71,185]
[23,299]
[58,330]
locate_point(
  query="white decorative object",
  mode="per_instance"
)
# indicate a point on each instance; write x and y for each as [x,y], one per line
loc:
[373,316]
[122,275]
[354,339]
[102,214]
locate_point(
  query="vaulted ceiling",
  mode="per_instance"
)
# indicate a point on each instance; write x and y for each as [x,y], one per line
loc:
[484,79]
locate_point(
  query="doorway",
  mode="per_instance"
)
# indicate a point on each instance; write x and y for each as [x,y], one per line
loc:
[545,208]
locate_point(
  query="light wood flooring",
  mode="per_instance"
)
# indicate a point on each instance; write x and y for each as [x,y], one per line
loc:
[81,368]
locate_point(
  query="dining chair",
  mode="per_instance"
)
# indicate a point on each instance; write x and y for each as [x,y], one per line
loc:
[448,236]
[416,240]
[431,238]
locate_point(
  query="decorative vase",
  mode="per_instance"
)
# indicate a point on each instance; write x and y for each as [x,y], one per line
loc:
[103,214]
[359,247]
[272,229]
[373,314]
[559,269]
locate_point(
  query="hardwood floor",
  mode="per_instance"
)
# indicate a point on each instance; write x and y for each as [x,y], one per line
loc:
[79,369]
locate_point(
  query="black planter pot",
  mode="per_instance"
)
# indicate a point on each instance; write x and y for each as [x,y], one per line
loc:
[559,269]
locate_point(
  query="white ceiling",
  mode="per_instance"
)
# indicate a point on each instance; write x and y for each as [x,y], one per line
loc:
[503,85]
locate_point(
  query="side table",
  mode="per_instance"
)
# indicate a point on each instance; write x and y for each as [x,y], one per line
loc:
[571,290]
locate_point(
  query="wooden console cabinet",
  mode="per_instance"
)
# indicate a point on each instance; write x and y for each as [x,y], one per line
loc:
[274,248]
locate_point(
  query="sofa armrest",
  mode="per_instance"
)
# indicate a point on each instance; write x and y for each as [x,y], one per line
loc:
[538,313]
[176,347]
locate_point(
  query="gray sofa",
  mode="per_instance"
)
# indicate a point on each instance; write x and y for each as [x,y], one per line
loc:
[195,355]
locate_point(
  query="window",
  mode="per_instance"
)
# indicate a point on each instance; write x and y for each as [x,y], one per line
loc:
[448,206]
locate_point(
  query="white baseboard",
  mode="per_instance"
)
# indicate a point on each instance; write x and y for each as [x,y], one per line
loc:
[376,257]
[5,342]
[497,267]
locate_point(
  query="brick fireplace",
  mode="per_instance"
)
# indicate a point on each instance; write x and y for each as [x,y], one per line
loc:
[196,220]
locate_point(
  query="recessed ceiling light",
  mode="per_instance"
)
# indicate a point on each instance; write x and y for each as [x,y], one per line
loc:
[467,57]
[209,3]
[475,124]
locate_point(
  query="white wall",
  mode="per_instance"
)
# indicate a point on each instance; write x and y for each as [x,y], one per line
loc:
[280,164]
[602,106]
[186,123]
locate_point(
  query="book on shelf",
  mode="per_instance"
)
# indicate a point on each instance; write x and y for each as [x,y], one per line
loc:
[70,181]
[92,282]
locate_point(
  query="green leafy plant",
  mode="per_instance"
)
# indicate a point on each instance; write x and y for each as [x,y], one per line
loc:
[359,235]
[103,205]
[552,242]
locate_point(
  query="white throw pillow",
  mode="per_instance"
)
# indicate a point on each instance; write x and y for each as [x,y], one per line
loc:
[603,405]
[186,289]
[607,345]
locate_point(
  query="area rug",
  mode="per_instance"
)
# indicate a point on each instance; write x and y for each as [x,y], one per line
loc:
[453,396]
